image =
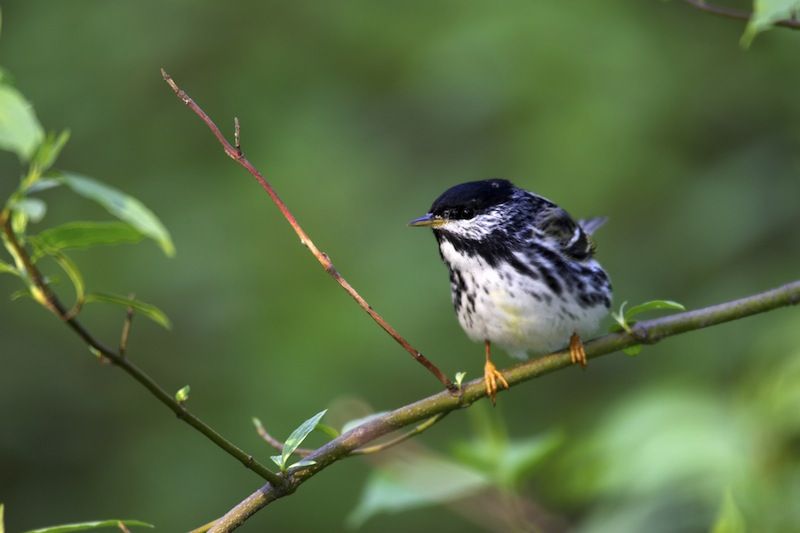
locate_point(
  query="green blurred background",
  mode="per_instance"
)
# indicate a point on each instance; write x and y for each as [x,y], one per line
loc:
[360,114]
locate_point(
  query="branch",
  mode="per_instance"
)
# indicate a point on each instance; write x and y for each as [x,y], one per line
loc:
[738,14]
[648,332]
[44,295]
[235,153]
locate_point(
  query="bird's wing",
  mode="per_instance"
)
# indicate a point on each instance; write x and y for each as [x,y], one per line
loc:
[572,238]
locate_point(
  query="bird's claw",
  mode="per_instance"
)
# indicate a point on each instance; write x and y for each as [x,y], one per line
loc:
[493,379]
[576,352]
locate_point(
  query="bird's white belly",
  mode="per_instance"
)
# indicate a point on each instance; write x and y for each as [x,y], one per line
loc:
[514,311]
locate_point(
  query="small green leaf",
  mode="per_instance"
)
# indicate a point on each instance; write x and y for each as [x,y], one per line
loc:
[42,184]
[332,432]
[5,268]
[652,305]
[49,150]
[304,463]
[149,310]
[20,131]
[33,208]
[765,14]
[85,235]
[20,294]
[183,394]
[460,378]
[299,435]
[86,526]
[71,269]
[122,206]
[729,518]
[278,460]
[633,351]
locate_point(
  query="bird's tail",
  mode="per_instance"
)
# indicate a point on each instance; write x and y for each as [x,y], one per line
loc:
[590,225]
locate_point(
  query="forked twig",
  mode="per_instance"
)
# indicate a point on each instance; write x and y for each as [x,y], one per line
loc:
[235,153]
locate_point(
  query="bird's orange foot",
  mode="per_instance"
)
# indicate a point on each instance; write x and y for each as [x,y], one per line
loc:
[576,352]
[493,379]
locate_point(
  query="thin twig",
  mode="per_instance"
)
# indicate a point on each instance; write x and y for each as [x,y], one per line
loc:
[48,298]
[275,443]
[400,438]
[738,14]
[648,331]
[305,240]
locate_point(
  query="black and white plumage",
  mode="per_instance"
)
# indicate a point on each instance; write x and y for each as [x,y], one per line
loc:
[522,272]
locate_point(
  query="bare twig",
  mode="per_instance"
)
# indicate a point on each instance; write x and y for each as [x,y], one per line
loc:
[275,443]
[235,153]
[738,14]
[44,295]
[648,331]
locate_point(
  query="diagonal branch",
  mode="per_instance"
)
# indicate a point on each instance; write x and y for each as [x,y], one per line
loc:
[648,332]
[737,14]
[235,153]
[46,297]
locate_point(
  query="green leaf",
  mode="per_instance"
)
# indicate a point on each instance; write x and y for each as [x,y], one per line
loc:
[299,435]
[729,519]
[765,14]
[86,526]
[49,150]
[20,131]
[652,305]
[150,311]
[304,463]
[124,207]
[183,394]
[71,269]
[85,235]
[460,378]
[425,480]
[5,268]
[42,184]
[633,351]
[332,432]
[33,208]
[278,460]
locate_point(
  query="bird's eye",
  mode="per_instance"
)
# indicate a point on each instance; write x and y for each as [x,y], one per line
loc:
[446,213]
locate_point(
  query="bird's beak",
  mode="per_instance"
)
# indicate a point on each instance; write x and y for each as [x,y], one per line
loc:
[427,220]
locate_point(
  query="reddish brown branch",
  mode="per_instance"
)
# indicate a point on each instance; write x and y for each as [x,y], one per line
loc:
[235,153]
[737,14]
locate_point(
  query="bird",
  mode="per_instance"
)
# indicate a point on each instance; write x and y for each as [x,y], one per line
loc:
[522,271]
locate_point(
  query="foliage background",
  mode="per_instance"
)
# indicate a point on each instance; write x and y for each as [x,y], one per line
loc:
[360,114]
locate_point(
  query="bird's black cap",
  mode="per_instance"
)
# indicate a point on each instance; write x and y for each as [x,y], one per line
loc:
[475,196]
